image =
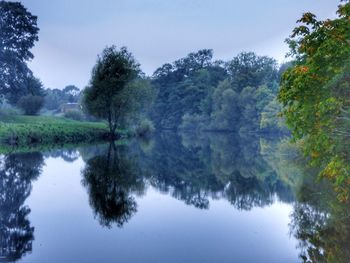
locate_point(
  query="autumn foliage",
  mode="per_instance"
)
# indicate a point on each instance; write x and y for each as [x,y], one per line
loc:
[315,93]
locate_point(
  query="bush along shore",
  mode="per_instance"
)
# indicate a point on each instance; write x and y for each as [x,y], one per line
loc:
[30,130]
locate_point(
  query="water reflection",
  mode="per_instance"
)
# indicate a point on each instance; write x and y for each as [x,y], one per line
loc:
[111,180]
[321,223]
[195,169]
[189,169]
[17,172]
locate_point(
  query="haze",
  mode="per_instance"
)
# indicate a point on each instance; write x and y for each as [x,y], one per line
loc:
[73,33]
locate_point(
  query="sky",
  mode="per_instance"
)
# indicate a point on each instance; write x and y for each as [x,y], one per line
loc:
[73,32]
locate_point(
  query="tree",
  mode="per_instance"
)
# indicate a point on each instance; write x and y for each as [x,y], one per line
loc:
[18,33]
[30,86]
[105,97]
[72,92]
[54,98]
[136,96]
[30,100]
[315,93]
[249,70]
[182,86]
[30,104]
[226,112]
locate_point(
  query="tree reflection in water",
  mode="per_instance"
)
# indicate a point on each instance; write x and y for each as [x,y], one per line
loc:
[111,179]
[247,172]
[321,223]
[190,170]
[17,171]
[219,166]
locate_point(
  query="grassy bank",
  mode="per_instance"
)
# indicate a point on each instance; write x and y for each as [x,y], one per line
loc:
[27,130]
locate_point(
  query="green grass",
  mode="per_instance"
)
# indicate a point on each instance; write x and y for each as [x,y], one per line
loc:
[26,130]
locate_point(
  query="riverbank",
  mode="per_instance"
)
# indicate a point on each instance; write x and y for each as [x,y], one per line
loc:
[22,130]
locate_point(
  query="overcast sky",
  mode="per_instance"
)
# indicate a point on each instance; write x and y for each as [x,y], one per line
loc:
[74,32]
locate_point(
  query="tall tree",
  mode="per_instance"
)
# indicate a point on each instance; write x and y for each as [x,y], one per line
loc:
[182,86]
[315,93]
[105,97]
[72,93]
[18,33]
[249,70]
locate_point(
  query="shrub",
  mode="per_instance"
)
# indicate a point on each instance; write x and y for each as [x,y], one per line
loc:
[145,128]
[74,115]
[30,104]
[9,111]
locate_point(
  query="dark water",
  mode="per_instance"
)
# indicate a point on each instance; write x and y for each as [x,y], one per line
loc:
[175,198]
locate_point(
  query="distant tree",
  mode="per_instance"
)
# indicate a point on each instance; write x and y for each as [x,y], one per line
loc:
[182,87]
[250,117]
[31,86]
[30,104]
[105,97]
[249,70]
[18,33]
[72,92]
[32,99]
[226,112]
[54,98]
[196,92]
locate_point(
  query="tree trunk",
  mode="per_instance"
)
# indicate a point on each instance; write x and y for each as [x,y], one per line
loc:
[111,125]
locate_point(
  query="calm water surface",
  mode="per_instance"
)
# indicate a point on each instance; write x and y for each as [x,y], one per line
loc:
[175,198]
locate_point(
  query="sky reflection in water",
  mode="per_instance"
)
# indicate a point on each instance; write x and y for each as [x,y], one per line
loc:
[176,198]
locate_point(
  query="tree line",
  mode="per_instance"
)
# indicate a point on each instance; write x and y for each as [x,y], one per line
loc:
[194,92]
[199,93]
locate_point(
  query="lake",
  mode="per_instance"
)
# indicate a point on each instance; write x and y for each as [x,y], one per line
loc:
[172,198]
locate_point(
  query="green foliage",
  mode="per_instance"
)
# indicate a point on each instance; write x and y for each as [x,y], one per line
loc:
[74,115]
[183,86]
[110,94]
[320,222]
[196,93]
[8,111]
[249,70]
[24,130]
[315,93]
[271,119]
[30,104]
[226,112]
[18,33]
[134,101]
[72,93]
[193,169]
[54,98]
